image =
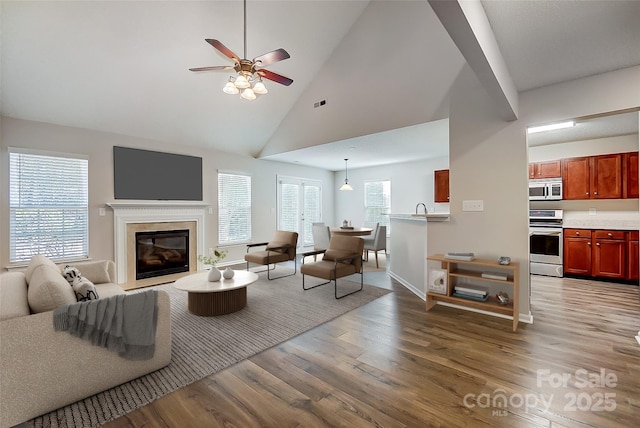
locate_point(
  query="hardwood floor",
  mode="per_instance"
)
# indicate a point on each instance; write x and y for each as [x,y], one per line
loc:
[392,364]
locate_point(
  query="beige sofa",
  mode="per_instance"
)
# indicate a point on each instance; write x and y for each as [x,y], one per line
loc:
[41,369]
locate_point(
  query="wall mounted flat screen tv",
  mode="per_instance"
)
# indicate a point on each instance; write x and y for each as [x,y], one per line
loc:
[148,175]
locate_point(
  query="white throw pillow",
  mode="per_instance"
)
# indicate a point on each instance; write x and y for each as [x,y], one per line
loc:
[48,289]
[35,262]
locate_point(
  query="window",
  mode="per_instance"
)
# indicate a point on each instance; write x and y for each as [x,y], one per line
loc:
[377,203]
[48,206]
[234,208]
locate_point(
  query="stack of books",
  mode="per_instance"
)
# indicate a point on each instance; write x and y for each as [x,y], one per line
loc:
[494,275]
[459,256]
[471,292]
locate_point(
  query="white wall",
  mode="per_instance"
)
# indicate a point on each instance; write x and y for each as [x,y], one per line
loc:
[488,161]
[596,146]
[98,146]
[411,183]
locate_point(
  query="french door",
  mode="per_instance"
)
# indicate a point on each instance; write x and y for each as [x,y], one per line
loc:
[299,205]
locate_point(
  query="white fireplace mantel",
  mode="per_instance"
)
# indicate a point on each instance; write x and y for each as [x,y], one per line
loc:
[127,212]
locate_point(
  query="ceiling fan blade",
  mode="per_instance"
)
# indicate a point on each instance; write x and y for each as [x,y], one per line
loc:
[222,48]
[271,57]
[275,77]
[215,67]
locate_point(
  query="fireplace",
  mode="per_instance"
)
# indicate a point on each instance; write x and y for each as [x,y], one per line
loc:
[161,252]
[132,217]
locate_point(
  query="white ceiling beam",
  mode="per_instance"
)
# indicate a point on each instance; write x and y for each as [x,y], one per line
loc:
[468,26]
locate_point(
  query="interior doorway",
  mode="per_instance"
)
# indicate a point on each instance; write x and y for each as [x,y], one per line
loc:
[551,152]
[299,205]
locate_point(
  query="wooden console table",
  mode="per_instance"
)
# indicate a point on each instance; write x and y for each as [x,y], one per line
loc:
[460,272]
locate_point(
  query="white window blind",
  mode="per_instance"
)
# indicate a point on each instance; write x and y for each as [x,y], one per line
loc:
[377,203]
[234,208]
[312,210]
[289,207]
[48,206]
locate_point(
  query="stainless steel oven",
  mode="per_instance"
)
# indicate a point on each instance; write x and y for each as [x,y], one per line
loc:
[545,242]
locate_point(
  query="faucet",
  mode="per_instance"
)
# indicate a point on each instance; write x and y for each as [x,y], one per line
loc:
[423,205]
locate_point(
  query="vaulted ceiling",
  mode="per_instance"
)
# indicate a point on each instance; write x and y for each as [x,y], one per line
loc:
[122,67]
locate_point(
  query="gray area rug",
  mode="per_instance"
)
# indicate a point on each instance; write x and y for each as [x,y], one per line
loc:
[276,311]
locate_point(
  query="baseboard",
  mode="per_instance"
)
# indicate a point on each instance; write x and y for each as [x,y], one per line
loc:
[409,286]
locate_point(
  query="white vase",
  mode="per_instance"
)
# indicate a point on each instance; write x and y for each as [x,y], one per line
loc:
[214,275]
[228,273]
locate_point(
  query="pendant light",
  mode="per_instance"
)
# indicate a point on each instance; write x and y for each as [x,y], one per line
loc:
[346,185]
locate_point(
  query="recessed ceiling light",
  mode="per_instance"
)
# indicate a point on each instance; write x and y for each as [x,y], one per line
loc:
[551,127]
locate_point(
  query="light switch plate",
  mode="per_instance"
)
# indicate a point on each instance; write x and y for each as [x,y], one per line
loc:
[473,205]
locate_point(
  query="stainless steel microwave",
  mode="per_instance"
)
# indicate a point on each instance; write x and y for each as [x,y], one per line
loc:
[545,189]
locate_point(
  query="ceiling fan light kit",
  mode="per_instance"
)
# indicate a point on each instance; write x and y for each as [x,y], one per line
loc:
[230,88]
[248,81]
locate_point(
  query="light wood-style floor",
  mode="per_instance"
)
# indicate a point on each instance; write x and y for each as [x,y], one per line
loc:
[391,364]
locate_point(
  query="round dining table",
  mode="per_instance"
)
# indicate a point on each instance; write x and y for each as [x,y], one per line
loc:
[352,231]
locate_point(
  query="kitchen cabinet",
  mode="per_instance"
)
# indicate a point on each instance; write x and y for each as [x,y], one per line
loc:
[633,256]
[606,176]
[609,253]
[577,251]
[600,253]
[548,169]
[575,178]
[630,175]
[464,272]
[441,185]
[592,177]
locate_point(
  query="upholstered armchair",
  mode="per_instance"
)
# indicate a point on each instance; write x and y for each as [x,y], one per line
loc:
[342,258]
[281,248]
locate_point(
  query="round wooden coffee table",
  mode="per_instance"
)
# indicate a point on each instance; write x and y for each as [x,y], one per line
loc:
[216,298]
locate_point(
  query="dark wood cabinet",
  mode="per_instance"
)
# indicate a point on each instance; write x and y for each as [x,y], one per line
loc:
[593,177]
[547,169]
[609,254]
[441,185]
[630,175]
[577,251]
[606,176]
[576,177]
[633,256]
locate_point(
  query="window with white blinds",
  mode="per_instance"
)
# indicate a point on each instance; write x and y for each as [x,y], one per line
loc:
[377,203]
[234,208]
[48,206]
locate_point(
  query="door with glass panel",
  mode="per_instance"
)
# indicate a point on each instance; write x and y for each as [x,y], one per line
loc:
[299,205]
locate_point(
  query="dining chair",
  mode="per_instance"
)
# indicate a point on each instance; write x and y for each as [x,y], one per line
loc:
[321,236]
[379,243]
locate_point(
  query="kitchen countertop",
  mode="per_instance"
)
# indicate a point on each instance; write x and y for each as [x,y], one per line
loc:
[616,220]
[421,217]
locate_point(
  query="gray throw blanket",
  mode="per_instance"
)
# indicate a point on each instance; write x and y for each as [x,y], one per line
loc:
[125,323]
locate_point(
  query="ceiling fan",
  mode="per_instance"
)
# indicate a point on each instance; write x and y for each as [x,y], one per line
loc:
[249,72]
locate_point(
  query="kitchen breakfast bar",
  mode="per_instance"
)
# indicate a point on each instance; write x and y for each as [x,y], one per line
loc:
[408,249]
